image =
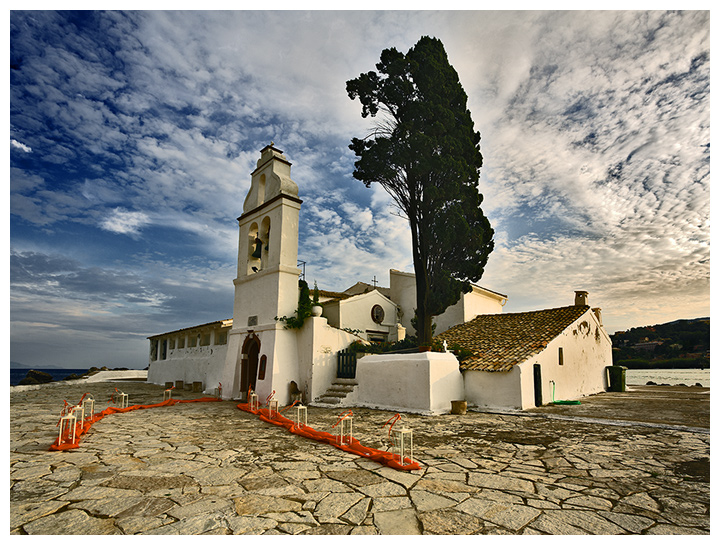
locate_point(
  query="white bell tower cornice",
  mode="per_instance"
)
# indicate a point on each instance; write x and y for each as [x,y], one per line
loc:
[270,180]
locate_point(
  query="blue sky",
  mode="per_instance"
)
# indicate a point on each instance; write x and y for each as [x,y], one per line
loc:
[133,135]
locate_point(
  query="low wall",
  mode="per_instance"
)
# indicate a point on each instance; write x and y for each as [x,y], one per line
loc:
[497,390]
[189,365]
[318,345]
[423,383]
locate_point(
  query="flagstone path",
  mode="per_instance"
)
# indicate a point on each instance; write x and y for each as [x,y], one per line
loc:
[210,468]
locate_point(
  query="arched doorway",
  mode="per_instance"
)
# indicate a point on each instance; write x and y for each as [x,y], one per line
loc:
[248,372]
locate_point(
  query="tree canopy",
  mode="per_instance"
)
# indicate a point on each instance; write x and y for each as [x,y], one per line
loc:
[425,152]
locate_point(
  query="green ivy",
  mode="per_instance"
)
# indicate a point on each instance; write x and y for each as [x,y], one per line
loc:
[303,311]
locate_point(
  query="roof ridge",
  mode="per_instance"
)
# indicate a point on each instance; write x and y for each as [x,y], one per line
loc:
[584,307]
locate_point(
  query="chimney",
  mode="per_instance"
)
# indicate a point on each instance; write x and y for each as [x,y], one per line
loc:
[598,314]
[581,298]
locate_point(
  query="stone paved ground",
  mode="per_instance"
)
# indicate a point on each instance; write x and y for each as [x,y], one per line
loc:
[210,468]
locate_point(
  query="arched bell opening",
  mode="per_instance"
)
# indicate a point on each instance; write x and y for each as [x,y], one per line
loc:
[265,237]
[254,249]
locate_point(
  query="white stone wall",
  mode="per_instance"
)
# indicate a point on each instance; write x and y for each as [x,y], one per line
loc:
[494,390]
[423,383]
[587,351]
[281,348]
[318,345]
[194,364]
[479,301]
[307,356]
[278,345]
[402,292]
[355,314]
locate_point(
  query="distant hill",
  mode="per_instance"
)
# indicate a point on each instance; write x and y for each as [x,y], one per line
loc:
[677,344]
[16,365]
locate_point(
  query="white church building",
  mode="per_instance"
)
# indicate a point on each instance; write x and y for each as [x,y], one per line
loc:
[516,361]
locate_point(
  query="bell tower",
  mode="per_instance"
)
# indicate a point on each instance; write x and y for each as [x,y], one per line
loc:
[266,285]
[267,272]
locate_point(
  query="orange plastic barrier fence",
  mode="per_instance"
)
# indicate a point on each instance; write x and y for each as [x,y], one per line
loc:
[352,446]
[81,428]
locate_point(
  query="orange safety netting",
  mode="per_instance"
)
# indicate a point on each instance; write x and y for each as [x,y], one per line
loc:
[346,443]
[65,441]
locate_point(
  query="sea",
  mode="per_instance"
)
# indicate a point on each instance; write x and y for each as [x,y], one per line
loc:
[673,377]
[16,375]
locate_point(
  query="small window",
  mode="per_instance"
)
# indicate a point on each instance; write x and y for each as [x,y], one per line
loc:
[261,369]
[181,342]
[192,341]
[561,359]
[205,339]
[221,337]
[171,344]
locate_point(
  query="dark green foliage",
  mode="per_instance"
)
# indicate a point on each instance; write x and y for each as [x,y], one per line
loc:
[382,347]
[316,295]
[409,344]
[425,152]
[681,344]
[303,311]
[688,333]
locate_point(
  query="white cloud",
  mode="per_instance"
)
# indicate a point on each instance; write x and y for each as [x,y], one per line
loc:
[125,222]
[19,145]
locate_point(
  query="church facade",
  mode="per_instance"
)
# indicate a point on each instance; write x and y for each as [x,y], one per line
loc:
[255,351]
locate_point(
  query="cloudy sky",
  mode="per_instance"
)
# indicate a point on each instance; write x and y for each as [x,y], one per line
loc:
[133,135]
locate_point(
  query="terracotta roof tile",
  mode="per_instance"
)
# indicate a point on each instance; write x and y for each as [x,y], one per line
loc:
[500,341]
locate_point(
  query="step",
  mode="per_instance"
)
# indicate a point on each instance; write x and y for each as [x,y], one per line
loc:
[338,388]
[337,392]
[329,400]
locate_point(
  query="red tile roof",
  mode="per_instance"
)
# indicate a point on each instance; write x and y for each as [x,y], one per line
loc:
[500,341]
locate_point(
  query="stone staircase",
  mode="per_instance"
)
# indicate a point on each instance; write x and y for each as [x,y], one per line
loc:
[337,393]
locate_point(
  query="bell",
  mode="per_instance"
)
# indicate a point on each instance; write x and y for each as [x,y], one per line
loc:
[257,254]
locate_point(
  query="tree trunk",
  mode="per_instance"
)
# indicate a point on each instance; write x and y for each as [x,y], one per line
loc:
[420,265]
[422,287]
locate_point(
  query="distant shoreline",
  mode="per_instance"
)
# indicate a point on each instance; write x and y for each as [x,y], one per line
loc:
[94,375]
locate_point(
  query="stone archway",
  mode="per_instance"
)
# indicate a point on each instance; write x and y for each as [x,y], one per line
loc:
[249,369]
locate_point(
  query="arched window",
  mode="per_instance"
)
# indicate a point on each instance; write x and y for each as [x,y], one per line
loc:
[261,369]
[261,190]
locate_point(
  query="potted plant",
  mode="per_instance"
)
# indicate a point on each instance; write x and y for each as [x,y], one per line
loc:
[316,307]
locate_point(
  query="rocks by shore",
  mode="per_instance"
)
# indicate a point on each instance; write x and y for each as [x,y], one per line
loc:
[36,377]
